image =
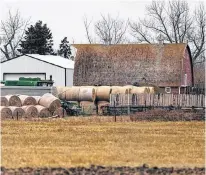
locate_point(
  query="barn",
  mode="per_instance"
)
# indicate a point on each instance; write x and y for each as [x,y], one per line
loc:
[42,66]
[168,66]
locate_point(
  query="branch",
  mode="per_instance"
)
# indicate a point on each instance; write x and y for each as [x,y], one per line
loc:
[86,25]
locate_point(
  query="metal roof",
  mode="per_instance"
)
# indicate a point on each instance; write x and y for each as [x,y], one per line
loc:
[56,60]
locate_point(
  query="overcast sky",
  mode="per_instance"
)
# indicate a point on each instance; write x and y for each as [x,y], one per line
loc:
[65,17]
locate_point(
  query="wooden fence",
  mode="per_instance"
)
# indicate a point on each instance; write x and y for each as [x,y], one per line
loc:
[155,100]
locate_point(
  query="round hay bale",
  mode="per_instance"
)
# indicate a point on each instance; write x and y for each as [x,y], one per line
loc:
[149,89]
[60,112]
[100,104]
[17,112]
[54,91]
[88,107]
[119,90]
[138,90]
[6,112]
[27,100]
[30,111]
[4,101]
[49,101]
[43,112]
[37,98]
[87,94]
[128,88]
[86,103]
[103,93]
[59,90]
[69,93]
[14,100]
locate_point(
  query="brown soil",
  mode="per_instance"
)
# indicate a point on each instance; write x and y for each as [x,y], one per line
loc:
[142,170]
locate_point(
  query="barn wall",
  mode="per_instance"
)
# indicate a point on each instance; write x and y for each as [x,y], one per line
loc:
[186,69]
[26,64]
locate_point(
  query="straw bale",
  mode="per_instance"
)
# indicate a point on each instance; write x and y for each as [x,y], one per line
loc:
[14,100]
[69,93]
[120,90]
[100,104]
[27,100]
[54,91]
[88,107]
[49,101]
[60,91]
[30,111]
[6,112]
[4,101]
[17,112]
[43,112]
[60,112]
[103,93]
[37,98]
[87,94]
[138,90]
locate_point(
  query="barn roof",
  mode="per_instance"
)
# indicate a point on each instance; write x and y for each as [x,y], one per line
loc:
[122,64]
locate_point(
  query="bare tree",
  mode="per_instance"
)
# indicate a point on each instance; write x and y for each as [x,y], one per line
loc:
[175,23]
[87,25]
[107,30]
[12,32]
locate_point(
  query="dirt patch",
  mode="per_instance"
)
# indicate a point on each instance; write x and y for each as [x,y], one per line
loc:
[145,169]
[168,115]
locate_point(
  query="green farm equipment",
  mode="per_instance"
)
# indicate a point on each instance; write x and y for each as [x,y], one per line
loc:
[28,82]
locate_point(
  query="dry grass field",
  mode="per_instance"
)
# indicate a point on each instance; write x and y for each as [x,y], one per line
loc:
[85,141]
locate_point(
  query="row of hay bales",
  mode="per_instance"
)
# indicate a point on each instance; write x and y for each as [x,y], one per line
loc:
[97,93]
[96,96]
[23,106]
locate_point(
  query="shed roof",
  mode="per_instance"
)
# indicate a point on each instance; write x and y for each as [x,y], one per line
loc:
[56,60]
[160,64]
[51,59]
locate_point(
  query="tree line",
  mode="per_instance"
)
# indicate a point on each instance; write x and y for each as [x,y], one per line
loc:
[169,21]
[36,39]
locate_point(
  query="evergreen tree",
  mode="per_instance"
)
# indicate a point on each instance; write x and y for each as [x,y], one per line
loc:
[65,50]
[37,40]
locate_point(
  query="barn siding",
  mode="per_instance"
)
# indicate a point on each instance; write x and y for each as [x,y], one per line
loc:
[187,69]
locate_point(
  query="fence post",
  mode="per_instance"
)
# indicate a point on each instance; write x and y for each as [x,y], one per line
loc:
[128,108]
[63,112]
[17,115]
[115,119]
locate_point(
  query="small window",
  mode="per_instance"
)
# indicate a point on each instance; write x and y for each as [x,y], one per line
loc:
[168,90]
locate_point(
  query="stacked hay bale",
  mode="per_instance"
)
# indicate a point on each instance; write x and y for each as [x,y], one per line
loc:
[103,98]
[17,112]
[13,100]
[23,106]
[96,97]
[50,105]
[27,100]
[43,112]
[30,111]
[84,96]
[4,101]
[6,112]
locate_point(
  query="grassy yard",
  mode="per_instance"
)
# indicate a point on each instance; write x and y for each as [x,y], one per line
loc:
[82,142]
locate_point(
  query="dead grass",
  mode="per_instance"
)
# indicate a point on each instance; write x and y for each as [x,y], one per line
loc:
[86,141]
